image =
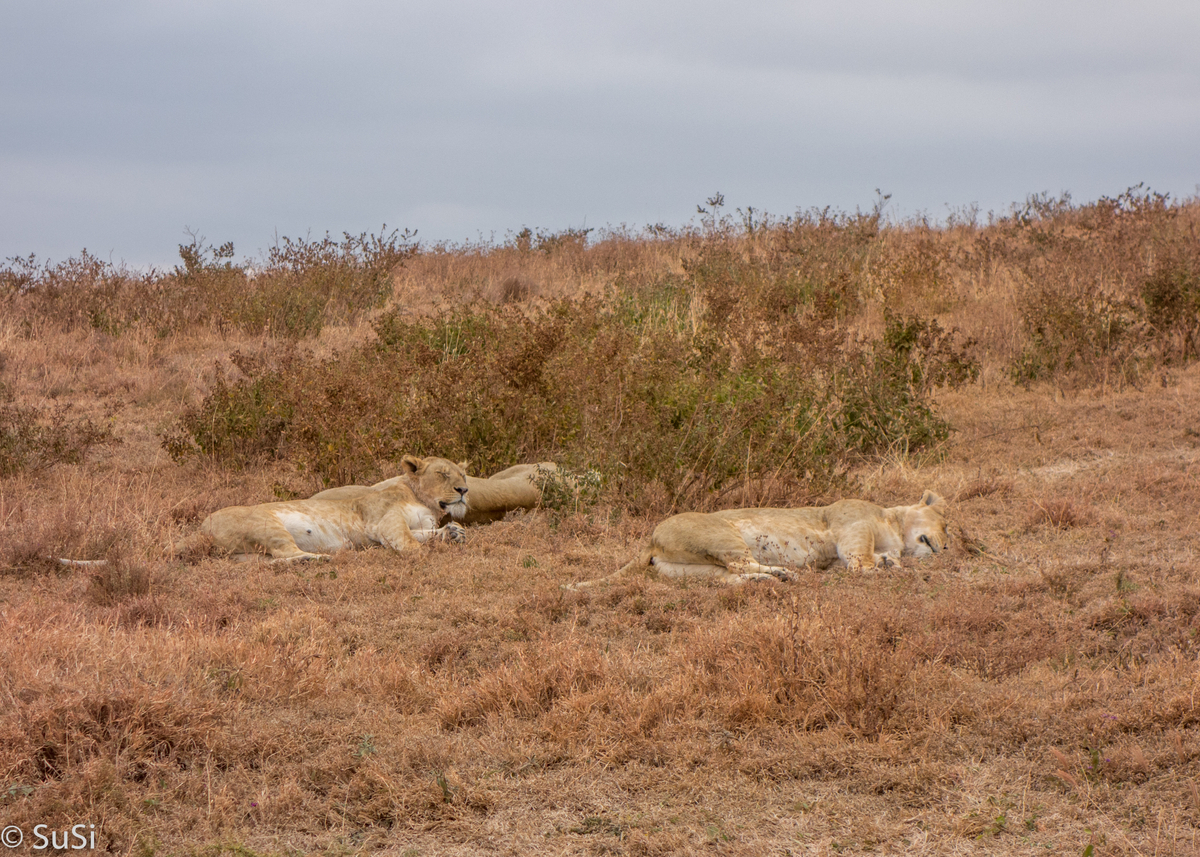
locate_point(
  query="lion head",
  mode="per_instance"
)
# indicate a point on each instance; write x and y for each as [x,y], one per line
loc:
[924,526]
[439,484]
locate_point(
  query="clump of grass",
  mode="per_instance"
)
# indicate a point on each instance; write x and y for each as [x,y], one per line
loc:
[1061,513]
[36,543]
[985,486]
[117,579]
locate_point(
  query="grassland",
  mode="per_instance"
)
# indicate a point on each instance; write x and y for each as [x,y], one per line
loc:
[1029,691]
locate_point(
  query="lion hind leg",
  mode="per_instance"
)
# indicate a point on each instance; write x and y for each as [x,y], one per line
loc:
[747,570]
[299,556]
[281,547]
[672,568]
[737,571]
[198,544]
[247,540]
[302,556]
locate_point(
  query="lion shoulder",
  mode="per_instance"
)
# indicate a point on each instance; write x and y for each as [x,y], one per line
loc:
[845,514]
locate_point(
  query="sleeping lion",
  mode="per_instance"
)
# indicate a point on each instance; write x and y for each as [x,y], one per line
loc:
[518,487]
[738,545]
[401,516]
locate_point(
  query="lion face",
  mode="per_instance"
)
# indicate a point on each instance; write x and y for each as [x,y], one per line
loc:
[925,526]
[438,483]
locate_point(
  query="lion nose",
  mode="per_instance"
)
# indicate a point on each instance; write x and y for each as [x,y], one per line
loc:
[462,492]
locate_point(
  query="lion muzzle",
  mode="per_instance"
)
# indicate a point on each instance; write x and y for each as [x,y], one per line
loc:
[457,509]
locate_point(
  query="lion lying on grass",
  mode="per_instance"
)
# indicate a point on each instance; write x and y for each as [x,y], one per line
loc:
[401,516]
[755,544]
[518,487]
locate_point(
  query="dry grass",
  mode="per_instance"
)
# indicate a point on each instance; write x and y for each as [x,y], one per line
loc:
[1031,690]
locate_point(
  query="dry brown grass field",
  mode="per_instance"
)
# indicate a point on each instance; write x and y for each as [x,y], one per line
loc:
[1031,690]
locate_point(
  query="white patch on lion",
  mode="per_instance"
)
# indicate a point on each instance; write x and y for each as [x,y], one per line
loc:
[456,510]
[313,534]
[418,518]
[686,569]
[771,548]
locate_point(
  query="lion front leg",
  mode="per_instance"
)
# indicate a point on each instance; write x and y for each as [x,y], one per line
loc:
[395,533]
[452,532]
[856,547]
[889,559]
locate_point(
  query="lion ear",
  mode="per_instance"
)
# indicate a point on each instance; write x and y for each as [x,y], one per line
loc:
[411,464]
[929,498]
[465,465]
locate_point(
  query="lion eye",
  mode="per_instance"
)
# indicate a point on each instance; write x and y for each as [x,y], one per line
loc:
[925,539]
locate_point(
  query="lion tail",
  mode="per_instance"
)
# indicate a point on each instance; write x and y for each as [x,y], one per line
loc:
[198,544]
[642,562]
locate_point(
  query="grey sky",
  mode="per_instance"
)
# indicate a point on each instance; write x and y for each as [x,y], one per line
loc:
[123,123]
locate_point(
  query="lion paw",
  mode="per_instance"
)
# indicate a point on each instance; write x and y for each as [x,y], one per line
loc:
[455,533]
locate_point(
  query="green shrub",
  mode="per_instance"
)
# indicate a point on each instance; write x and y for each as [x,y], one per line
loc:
[665,414]
[239,422]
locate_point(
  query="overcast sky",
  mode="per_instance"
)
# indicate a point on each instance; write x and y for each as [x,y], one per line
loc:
[123,124]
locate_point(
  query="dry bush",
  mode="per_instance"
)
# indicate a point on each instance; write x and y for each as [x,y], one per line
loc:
[608,386]
[33,438]
[34,540]
[299,287]
[1058,512]
[1111,288]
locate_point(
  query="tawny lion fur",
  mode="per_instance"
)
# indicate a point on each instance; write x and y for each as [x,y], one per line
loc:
[518,487]
[738,545]
[401,516]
